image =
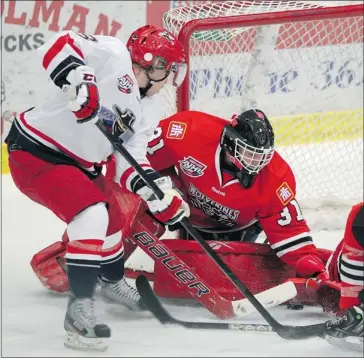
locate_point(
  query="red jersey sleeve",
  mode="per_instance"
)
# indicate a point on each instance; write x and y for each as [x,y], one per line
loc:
[170,139]
[282,220]
[351,258]
[158,152]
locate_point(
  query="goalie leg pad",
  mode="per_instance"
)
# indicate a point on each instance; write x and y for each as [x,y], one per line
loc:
[47,265]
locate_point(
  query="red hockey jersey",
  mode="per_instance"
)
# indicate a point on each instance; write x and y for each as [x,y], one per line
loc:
[189,141]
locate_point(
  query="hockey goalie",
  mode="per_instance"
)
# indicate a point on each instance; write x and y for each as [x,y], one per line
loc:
[238,186]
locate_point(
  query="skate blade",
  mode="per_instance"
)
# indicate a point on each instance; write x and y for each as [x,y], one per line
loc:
[80,343]
[354,343]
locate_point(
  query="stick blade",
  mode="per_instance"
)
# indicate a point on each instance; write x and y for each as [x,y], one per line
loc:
[151,301]
[270,298]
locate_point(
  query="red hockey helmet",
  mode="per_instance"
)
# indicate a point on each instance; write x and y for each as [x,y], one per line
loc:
[155,48]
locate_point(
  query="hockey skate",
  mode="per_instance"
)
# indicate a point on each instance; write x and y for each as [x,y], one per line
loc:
[347,331]
[84,332]
[122,293]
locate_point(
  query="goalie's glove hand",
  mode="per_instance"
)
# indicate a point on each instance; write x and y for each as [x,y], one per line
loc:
[172,208]
[83,94]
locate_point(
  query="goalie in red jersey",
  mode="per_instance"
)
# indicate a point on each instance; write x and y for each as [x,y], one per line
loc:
[236,183]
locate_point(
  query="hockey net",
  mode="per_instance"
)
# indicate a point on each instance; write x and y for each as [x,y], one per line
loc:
[299,62]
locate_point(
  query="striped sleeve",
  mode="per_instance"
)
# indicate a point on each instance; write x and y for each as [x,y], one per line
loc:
[352,269]
[62,54]
[300,243]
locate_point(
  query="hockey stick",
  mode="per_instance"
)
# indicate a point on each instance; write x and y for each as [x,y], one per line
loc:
[164,317]
[285,331]
[155,306]
[197,287]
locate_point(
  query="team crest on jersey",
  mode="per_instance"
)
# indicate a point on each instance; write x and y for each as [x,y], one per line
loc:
[125,84]
[285,193]
[192,167]
[176,130]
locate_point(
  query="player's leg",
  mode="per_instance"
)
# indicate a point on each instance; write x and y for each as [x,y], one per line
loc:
[350,265]
[114,286]
[74,198]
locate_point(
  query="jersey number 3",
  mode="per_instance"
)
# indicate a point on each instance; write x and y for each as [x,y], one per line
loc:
[291,209]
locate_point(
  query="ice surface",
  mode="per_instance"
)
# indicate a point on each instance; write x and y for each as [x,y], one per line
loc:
[32,317]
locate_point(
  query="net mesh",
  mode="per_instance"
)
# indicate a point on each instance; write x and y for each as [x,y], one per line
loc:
[307,76]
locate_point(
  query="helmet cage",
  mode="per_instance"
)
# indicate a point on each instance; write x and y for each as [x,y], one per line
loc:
[244,156]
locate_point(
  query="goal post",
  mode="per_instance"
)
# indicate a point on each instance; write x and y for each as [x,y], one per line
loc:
[298,61]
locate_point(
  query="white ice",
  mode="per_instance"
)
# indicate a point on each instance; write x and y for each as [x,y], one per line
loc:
[32,317]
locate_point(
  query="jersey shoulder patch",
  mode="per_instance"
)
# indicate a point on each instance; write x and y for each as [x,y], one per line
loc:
[176,130]
[278,183]
[284,193]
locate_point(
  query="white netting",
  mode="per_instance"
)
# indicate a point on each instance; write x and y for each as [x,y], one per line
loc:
[307,76]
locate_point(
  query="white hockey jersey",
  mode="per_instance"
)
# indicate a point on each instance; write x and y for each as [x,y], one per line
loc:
[55,126]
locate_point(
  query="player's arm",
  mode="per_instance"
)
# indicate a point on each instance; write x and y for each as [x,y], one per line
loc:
[64,58]
[172,208]
[159,150]
[287,232]
[143,133]
[346,264]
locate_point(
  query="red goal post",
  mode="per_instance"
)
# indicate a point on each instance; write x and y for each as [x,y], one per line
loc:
[301,63]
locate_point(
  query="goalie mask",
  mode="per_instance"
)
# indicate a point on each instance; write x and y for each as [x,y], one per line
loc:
[249,144]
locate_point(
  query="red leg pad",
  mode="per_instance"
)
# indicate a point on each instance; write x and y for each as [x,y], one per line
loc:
[46,266]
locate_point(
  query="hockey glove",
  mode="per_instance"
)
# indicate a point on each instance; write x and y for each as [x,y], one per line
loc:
[172,208]
[83,93]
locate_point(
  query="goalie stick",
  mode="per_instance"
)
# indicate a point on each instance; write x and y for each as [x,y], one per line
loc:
[285,331]
[154,305]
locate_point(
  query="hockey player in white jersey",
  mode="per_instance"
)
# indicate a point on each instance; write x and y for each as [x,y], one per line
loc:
[56,154]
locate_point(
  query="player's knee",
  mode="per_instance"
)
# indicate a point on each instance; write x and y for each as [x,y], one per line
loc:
[90,223]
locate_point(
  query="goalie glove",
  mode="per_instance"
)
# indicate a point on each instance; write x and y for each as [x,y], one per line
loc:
[82,92]
[172,208]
